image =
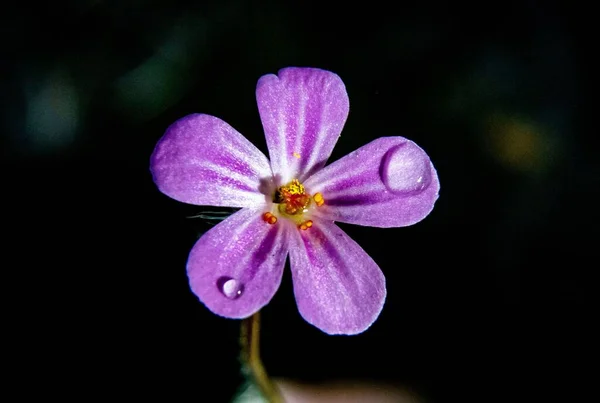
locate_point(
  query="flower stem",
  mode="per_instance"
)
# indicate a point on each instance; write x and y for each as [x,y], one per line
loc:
[250,340]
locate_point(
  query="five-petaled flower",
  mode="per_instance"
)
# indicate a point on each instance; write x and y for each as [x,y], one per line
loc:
[289,204]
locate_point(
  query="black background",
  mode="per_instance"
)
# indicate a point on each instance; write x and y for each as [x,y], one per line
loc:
[488,297]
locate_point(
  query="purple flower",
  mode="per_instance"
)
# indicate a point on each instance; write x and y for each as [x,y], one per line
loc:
[289,204]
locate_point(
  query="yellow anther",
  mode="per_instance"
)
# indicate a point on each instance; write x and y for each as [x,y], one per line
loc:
[269,218]
[295,154]
[305,225]
[318,198]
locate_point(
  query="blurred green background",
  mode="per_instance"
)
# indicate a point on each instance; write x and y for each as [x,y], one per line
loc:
[488,297]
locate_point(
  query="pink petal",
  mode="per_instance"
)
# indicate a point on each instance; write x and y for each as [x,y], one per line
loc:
[389,182]
[303,111]
[202,160]
[338,287]
[236,267]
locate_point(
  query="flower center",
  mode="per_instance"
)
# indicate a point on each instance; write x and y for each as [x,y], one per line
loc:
[293,202]
[292,198]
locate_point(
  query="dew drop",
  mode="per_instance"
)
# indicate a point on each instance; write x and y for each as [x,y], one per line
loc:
[230,287]
[406,169]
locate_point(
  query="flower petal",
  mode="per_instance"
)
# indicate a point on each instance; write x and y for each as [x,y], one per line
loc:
[338,287]
[389,182]
[202,160]
[236,267]
[303,111]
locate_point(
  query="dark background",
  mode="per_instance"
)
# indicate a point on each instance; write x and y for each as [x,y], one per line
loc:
[488,297]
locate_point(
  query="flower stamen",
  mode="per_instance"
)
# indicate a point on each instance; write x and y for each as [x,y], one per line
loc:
[306,225]
[318,198]
[269,218]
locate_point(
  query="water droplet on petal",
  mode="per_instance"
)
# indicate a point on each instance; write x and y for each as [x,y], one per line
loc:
[230,287]
[406,169]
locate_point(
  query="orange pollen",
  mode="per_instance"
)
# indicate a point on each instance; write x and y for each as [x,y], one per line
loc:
[318,198]
[305,225]
[269,218]
[292,198]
